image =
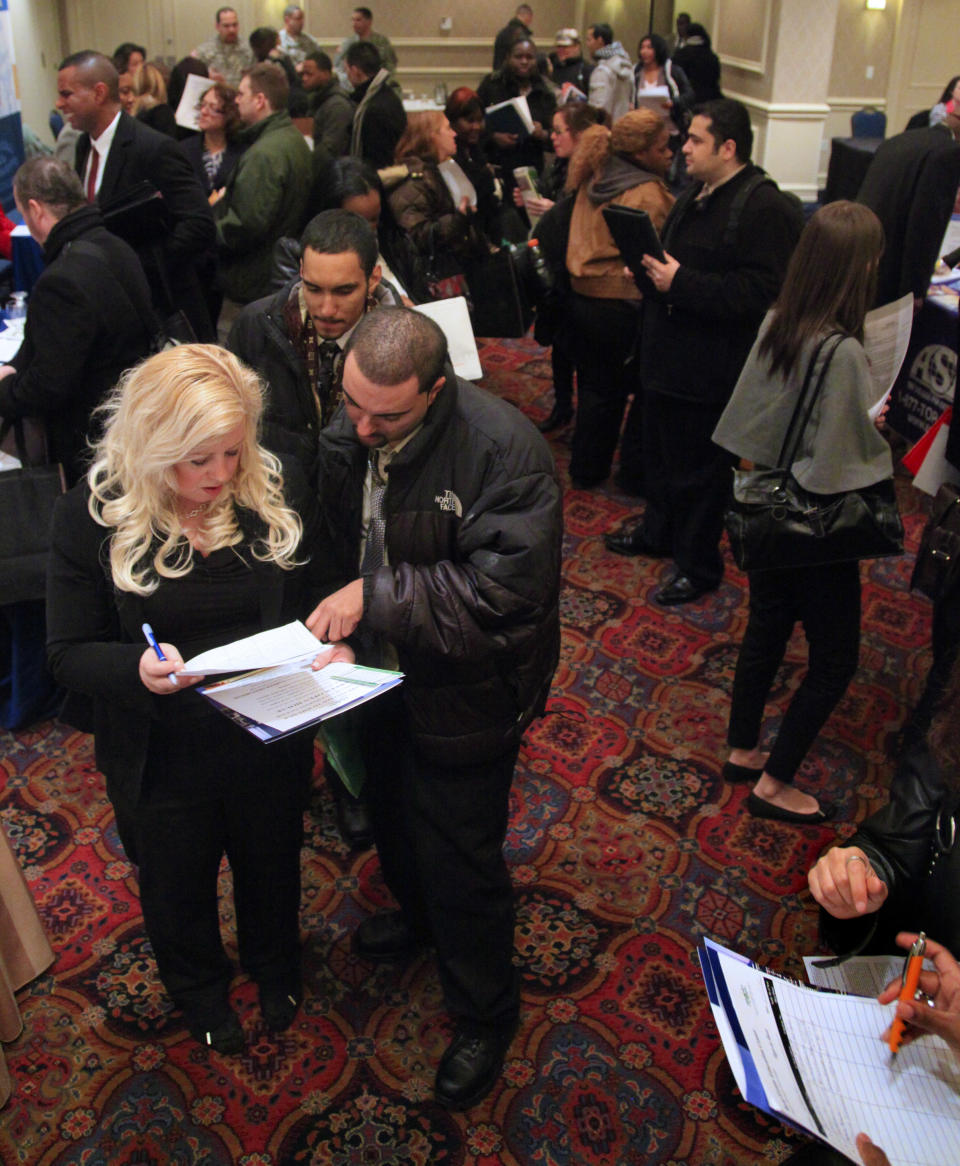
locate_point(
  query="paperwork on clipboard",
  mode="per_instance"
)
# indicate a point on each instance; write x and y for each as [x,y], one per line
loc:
[816,1060]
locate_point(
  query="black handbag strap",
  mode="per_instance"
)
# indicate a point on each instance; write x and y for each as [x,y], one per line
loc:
[806,398]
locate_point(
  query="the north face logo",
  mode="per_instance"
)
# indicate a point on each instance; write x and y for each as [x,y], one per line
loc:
[450,502]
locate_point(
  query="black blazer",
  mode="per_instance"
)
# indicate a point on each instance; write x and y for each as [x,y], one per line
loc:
[911,186]
[139,154]
[83,328]
[192,148]
[94,641]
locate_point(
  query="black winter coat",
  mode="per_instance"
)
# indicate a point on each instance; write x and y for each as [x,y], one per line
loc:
[497,87]
[911,186]
[82,331]
[696,336]
[470,598]
[140,154]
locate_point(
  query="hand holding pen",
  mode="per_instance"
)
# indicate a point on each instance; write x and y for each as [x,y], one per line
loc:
[160,664]
[942,987]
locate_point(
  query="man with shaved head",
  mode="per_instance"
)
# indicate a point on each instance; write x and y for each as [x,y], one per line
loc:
[116,155]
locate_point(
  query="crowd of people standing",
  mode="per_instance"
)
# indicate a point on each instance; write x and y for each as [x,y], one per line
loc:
[197,478]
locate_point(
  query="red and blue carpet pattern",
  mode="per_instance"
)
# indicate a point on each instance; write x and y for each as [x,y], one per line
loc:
[626,848]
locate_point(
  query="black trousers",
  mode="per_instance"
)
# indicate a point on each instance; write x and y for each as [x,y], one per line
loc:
[248,806]
[440,831]
[687,481]
[604,336]
[826,600]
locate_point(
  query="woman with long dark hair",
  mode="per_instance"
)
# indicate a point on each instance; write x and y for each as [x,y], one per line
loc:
[949,101]
[828,288]
[655,70]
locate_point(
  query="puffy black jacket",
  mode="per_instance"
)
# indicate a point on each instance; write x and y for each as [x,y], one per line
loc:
[470,598]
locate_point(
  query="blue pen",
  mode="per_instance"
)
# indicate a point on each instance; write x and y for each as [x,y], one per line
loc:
[152,641]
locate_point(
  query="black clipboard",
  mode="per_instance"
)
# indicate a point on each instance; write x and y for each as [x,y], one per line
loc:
[635,236]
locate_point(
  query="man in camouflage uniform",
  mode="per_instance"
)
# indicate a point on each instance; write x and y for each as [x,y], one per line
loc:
[293,40]
[225,55]
[362,21]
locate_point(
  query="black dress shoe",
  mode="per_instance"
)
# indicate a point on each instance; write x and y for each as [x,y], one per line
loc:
[353,820]
[558,417]
[385,937]
[470,1068]
[632,541]
[278,1006]
[681,589]
[222,1034]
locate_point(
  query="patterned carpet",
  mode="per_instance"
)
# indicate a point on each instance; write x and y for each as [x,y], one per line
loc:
[625,847]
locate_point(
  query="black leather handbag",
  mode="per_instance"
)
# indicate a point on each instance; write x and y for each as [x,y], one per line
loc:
[773,523]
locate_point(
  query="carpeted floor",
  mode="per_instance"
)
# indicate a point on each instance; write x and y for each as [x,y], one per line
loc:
[625,847]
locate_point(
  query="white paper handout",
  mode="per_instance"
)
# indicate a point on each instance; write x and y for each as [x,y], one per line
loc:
[817,1059]
[11,338]
[193,90]
[862,975]
[274,702]
[886,336]
[454,319]
[280,645]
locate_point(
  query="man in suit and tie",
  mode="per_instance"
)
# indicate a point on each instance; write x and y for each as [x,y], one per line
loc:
[116,154]
[89,316]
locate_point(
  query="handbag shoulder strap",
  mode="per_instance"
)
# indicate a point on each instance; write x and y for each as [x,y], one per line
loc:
[806,399]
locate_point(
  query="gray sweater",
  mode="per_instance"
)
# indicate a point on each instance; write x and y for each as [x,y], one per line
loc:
[841,448]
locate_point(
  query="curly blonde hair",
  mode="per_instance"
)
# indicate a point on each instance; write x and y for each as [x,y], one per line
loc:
[159,414]
[633,133]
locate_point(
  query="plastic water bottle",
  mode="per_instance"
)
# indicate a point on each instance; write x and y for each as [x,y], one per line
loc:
[542,272]
[17,307]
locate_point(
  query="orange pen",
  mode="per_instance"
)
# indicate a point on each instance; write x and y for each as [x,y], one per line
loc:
[912,966]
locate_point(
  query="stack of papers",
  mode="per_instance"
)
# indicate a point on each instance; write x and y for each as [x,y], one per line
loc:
[283,694]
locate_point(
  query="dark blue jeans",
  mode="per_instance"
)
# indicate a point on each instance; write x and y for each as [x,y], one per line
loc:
[826,600]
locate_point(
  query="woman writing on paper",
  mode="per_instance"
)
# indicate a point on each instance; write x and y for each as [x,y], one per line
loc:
[828,287]
[182,523]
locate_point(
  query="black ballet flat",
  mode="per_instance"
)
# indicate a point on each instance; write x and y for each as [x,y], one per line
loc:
[759,808]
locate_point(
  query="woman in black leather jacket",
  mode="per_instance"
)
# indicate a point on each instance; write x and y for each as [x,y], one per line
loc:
[901,870]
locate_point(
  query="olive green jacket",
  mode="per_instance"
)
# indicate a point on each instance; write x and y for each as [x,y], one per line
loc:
[266,197]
